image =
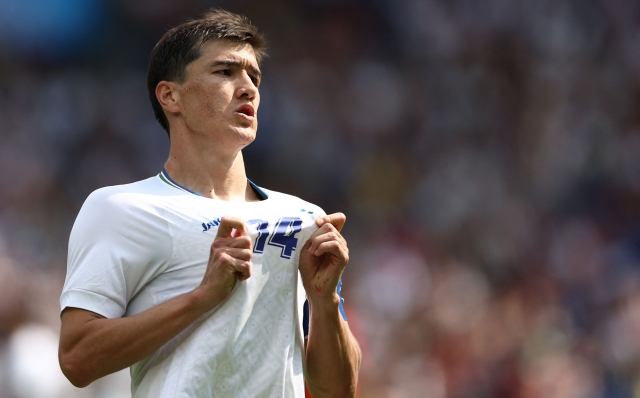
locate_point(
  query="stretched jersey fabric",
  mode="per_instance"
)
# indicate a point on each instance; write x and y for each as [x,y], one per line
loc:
[135,246]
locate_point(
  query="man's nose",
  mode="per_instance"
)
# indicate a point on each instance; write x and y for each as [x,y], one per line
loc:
[246,87]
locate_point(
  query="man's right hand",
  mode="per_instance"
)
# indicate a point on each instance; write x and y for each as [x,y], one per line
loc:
[229,261]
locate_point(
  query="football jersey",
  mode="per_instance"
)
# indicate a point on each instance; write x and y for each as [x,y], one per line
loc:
[135,246]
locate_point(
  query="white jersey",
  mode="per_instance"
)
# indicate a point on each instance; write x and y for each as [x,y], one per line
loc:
[135,246]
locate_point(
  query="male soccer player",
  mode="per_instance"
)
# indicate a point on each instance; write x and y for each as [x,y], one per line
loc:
[196,278]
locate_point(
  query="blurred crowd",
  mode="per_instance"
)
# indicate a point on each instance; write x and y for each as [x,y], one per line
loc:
[486,154]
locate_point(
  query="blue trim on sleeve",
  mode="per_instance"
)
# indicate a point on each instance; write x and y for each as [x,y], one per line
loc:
[341,307]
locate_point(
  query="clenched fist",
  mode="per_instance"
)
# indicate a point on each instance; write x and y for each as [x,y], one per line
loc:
[229,260]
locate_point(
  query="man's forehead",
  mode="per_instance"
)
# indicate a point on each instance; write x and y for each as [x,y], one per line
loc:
[229,50]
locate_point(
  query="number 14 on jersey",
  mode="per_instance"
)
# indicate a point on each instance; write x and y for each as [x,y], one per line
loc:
[282,236]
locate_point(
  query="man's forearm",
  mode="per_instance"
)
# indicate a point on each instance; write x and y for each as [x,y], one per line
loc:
[92,346]
[332,355]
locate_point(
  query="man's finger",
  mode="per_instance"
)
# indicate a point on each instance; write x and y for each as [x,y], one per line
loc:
[334,248]
[243,270]
[228,224]
[242,242]
[325,237]
[240,254]
[336,219]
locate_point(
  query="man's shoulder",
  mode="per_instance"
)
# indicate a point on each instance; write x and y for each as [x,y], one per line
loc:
[126,196]
[121,209]
[146,186]
[289,200]
[149,187]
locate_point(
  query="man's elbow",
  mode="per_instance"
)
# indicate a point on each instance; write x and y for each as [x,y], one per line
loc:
[74,370]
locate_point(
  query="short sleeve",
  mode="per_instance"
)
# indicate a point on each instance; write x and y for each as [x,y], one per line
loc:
[118,243]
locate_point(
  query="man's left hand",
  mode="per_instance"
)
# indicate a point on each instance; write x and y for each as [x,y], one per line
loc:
[324,257]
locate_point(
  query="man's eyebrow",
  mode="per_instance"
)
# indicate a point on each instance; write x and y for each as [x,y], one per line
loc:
[233,62]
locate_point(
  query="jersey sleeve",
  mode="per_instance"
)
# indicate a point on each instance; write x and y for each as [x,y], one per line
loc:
[318,212]
[117,244]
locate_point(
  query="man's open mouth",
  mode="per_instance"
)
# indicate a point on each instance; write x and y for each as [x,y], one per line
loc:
[246,110]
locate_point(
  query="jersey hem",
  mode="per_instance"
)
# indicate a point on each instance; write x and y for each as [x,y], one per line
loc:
[90,301]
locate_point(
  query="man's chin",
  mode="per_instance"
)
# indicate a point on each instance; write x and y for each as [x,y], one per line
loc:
[245,135]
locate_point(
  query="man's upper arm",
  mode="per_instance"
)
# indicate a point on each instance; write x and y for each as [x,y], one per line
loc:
[73,320]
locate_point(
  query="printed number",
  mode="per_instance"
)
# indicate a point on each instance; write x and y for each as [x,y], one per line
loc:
[283,235]
[263,233]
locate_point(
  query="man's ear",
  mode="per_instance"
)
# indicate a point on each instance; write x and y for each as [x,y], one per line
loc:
[167,95]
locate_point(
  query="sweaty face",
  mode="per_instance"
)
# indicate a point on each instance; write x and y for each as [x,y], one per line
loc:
[219,96]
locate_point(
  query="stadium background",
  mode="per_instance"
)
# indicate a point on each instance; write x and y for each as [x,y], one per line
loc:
[487,155]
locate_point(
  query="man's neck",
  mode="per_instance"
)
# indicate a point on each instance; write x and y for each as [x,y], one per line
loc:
[209,174]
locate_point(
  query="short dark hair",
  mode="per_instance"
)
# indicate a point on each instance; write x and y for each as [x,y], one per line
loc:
[182,45]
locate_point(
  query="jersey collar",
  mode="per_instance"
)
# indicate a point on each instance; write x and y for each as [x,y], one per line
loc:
[164,176]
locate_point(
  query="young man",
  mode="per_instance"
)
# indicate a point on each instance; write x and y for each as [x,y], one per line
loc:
[196,278]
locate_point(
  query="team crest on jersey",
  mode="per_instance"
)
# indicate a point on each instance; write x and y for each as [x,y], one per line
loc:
[208,225]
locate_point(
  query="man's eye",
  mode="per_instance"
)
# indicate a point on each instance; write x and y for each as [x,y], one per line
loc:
[226,72]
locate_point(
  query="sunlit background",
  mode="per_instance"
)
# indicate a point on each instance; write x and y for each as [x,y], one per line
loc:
[486,154]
